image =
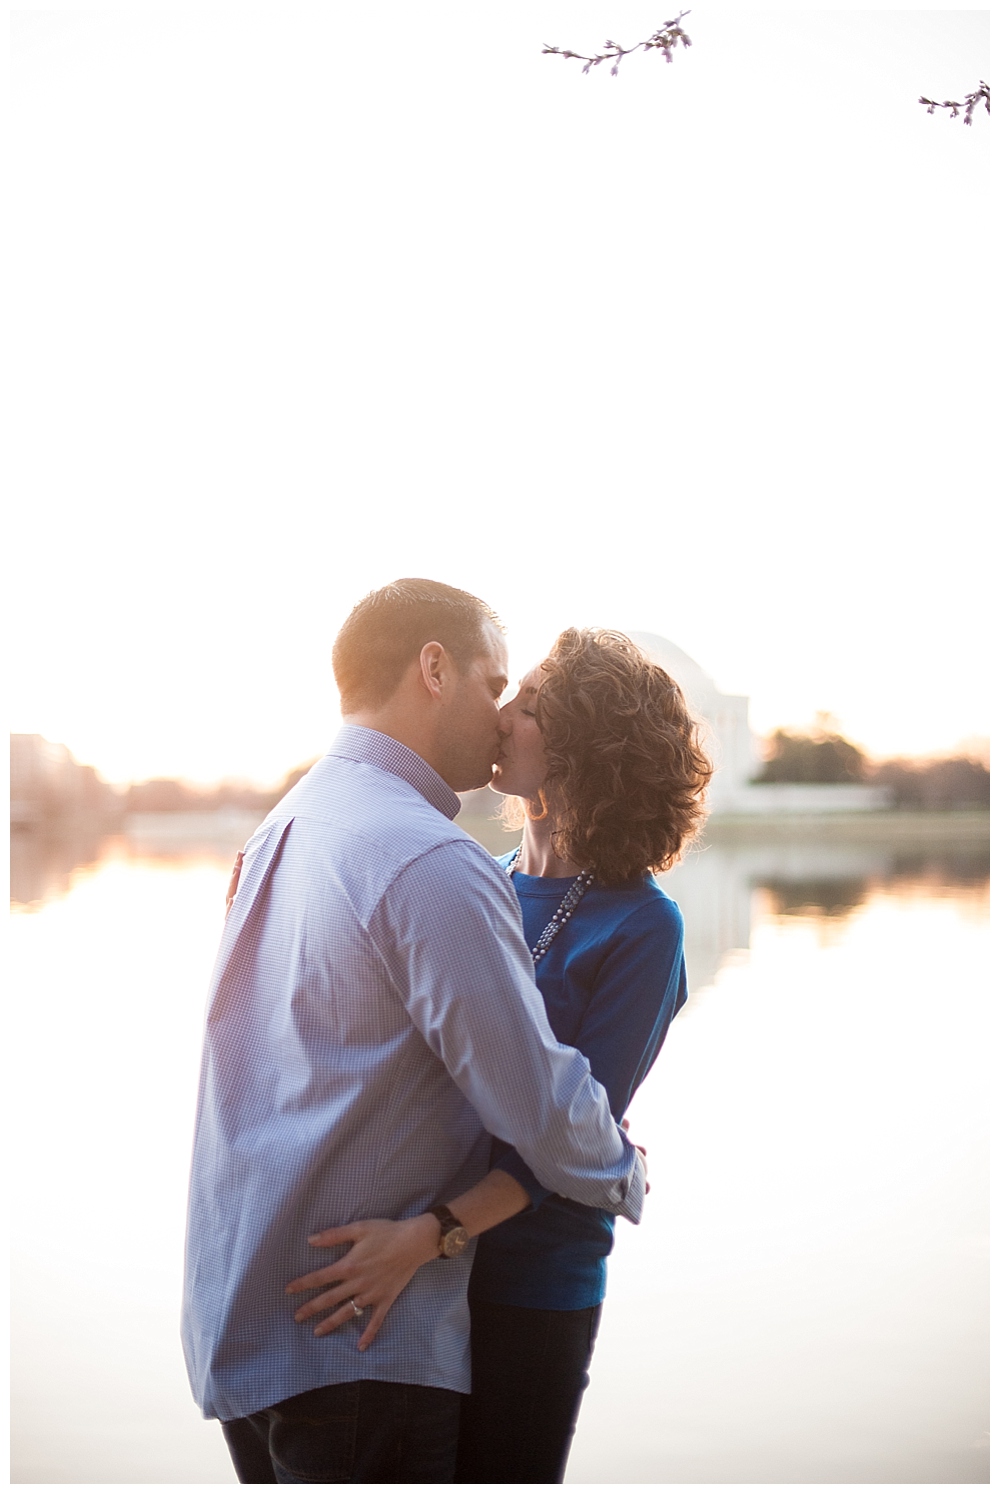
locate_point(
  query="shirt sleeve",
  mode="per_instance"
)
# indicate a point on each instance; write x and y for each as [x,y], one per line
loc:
[640,987]
[449,930]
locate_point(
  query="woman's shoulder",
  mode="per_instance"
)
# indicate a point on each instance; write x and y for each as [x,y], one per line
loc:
[639,934]
[645,893]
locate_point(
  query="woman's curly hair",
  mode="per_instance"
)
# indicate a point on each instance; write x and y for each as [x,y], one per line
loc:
[627,770]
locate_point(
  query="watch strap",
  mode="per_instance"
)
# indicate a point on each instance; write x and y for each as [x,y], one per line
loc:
[445,1218]
[453,1237]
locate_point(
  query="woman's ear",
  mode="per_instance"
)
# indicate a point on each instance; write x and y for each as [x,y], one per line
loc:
[536,809]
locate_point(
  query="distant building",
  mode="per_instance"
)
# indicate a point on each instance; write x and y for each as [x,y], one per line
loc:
[733,751]
[48,785]
[729,740]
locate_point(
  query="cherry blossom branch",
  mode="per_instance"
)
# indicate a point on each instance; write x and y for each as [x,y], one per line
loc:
[971,100]
[663,40]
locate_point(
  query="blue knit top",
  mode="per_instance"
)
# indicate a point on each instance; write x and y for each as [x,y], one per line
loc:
[612,981]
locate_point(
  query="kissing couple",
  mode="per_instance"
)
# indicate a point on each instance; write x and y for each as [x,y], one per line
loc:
[410,1150]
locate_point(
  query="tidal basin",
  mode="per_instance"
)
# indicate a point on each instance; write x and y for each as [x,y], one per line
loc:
[805,1300]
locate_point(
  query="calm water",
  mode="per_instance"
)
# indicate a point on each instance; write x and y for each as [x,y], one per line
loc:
[806,1297]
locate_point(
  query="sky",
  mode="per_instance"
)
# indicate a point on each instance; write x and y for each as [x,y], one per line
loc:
[310,297]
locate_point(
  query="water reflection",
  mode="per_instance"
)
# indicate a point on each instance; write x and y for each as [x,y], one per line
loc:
[46,864]
[797,874]
[805,1299]
[824,897]
[42,864]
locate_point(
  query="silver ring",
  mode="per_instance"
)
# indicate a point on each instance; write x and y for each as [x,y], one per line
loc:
[359,1312]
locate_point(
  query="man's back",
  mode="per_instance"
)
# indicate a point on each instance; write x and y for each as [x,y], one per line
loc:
[372,998]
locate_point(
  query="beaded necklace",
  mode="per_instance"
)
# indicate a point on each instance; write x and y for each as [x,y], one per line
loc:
[563,913]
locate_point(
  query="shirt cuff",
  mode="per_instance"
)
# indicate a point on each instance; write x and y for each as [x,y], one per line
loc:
[635,1195]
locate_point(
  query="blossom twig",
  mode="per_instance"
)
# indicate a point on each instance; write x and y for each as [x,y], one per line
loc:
[663,40]
[971,100]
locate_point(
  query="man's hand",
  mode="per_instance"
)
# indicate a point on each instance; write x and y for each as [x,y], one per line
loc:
[385,1254]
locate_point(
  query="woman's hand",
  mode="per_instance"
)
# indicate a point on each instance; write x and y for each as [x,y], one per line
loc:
[642,1151]
[385,1254]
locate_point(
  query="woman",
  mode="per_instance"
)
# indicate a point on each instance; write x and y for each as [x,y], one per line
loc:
[603,755]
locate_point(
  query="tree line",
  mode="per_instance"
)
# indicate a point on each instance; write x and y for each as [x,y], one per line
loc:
[824,756]
[170,795]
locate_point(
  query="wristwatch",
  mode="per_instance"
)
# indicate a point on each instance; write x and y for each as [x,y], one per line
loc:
[454,1236]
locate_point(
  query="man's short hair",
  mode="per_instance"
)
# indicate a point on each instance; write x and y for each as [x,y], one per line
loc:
[387,629]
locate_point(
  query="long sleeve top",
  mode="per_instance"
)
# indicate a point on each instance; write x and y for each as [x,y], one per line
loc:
[612,981]
[372,1014]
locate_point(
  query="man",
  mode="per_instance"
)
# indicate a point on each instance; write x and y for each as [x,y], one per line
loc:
[373,1016]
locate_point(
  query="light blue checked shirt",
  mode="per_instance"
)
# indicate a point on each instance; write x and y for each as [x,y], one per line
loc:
[373,1014]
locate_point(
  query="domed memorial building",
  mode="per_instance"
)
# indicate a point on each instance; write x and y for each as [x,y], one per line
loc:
[733,751]
[728,740]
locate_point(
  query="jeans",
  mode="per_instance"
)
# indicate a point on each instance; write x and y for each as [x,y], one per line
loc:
[362,1432]
[529,1372]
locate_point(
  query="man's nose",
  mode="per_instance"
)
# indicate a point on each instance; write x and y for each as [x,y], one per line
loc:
[503,720]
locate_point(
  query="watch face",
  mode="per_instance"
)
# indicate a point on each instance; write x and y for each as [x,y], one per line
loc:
[454,1242]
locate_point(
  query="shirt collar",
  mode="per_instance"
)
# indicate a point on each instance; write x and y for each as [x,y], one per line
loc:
[362,744]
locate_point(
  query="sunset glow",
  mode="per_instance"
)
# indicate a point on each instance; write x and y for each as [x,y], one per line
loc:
[307,299]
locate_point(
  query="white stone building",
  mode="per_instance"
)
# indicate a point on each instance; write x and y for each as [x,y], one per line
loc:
[733,750]
[728,739]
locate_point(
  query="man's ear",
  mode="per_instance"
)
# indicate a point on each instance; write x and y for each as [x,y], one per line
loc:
[434,666]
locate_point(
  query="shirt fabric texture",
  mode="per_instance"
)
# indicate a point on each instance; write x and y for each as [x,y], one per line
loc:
[372,1009]
[612,981]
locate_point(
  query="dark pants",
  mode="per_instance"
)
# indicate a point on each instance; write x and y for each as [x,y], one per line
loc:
[529,1372]
[364,1432]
